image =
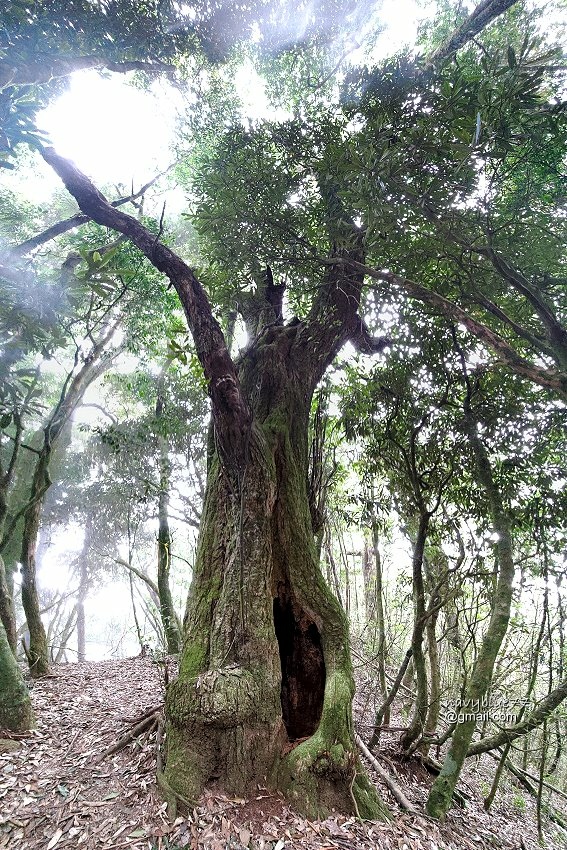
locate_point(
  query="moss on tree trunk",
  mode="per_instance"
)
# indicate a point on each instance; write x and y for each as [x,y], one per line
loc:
[441,793]
[15,707]
[7,612]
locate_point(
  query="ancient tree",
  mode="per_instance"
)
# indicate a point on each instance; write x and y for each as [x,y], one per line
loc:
[265,686]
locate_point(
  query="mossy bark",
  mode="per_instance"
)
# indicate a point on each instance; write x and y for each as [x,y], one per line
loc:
[16,712]
[37,652]
[265,686]
[417,725]
[257,560]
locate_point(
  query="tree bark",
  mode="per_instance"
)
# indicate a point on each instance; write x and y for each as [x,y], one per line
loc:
[417,724]
[7,613]
[37,651]
[95,364]
[380,625]
[16,712]
[265,663]
[480,17]
[535,718]
[83,590]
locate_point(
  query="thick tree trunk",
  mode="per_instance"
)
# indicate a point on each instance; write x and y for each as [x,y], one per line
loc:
[15,707]
[266,659]
[265,686]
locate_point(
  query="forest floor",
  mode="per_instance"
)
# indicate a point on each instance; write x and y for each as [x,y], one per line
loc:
[57,792]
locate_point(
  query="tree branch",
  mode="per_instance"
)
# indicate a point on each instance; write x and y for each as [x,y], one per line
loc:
[535,718]
[551,379]
[75,221]
[230,412]
[54,67]
[479,18]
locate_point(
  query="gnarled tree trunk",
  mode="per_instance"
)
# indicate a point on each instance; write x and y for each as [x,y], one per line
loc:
[265,685]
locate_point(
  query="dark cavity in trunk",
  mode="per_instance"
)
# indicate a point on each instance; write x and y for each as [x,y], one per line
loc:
[303,667]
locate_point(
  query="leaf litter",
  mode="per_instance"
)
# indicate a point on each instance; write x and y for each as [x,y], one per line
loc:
[56,792]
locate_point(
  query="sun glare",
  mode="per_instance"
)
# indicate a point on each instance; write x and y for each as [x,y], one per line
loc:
[112,131]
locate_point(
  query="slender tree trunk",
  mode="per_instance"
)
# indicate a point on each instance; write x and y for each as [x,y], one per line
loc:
[81,618]
[380,620]
[369,583]
[385,707]
[167,610]
[94,365]
[434,707]
[15,707]
[7,612]
[84,581]
[417,724]
[441,793]
[37,652]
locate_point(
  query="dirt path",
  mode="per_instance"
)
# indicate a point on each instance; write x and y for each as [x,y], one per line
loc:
[56,793]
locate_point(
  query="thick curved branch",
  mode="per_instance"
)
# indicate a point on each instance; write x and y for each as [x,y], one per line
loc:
[535,718]
[479,18]
[333,319]
[551,379]
[230,412]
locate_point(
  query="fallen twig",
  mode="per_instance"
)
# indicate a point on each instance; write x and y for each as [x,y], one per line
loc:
[385,776]
[145,725]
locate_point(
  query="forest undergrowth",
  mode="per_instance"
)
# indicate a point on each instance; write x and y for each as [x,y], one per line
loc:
[61,786]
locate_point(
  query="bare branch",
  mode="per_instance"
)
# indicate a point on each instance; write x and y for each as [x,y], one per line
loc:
[76,220]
